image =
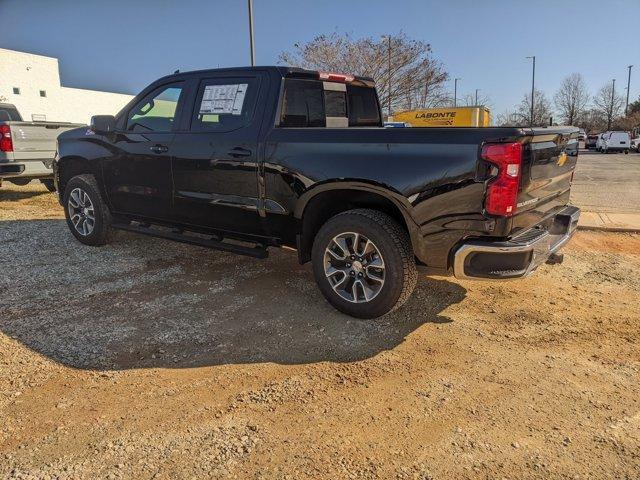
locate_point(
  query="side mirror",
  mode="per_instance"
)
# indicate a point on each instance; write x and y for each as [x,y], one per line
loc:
[103,124]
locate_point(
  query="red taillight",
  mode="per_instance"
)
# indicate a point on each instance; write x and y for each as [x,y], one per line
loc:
[502,191]
[335,77]
[6,145]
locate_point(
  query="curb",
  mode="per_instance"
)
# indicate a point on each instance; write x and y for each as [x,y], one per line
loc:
[610,222]
[593,228]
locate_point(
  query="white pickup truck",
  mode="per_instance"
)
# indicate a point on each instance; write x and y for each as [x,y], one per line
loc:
[27,148]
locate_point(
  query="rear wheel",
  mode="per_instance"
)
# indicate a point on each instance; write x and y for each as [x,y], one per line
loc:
[87,215]
[626,152]
[363,263]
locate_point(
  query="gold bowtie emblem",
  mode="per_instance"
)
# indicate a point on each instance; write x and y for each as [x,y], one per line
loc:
[562,158]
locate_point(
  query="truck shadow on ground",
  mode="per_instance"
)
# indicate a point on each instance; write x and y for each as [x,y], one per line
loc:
[141,302]
[15,195]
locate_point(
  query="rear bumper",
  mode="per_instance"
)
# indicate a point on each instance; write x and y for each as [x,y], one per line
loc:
[31,168]
[519,256]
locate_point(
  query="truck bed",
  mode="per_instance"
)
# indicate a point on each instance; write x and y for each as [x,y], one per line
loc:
[33,148]
[436,173]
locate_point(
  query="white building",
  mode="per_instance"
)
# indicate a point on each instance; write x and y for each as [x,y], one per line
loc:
[32,83]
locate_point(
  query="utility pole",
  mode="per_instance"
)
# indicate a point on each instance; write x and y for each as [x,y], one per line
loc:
[533,88]
[610,112]
[455,91]
[389,68]
[626,107]
[253,51]
[476,104]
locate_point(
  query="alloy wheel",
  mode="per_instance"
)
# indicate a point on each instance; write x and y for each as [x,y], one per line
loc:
[354,267]
[81,212]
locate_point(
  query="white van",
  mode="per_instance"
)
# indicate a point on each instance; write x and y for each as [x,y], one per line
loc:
[600,141]
[616,142]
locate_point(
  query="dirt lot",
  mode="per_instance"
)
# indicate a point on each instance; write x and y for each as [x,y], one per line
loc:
[150,359]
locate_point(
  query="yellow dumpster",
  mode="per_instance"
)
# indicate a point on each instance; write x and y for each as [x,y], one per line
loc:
[477,116]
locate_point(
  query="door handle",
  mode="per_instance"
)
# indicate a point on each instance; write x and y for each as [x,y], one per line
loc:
[159,148]
[239,152]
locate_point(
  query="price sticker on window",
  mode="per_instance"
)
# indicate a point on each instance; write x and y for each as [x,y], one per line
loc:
[223,99]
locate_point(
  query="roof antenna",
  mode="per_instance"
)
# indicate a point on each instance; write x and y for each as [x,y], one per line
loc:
[177,71]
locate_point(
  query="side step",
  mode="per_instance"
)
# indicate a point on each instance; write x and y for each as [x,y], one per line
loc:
[214,242]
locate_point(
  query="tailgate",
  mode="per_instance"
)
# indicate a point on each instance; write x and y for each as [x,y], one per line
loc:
[36,140]
[549,158]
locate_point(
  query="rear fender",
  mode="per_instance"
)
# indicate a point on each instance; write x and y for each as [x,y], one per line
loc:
[374,193]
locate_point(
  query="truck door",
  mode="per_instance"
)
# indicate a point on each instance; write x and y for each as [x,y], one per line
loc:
[215,155]
[138,174]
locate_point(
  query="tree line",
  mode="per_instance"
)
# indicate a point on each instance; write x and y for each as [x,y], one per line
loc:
[408,76]
[575,106]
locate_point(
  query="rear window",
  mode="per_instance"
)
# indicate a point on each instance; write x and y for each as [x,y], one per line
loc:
[335,103]
[303,104]
[363,107]
[9,114]
[307,103]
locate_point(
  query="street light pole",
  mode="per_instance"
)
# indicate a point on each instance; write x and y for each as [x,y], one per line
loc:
[626,107]
[389,68]
[455,91]
[610,113]
[251,45]
[533,88]
[476,104]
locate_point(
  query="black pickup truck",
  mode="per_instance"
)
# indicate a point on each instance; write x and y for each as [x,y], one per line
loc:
[244,159]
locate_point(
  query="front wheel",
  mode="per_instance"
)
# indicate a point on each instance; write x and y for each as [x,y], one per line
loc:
[87,214]
[363,263]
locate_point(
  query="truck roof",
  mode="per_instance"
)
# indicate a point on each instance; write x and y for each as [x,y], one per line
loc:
[280,70]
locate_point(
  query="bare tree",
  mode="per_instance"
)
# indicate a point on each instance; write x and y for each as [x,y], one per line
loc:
[417,78]
[507,118]
[628,122]
[541,111]
[608,104]
[469,100]
[634,106]
[592,121]
[571,99]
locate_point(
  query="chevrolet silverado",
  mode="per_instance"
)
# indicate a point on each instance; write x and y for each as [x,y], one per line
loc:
[243,159]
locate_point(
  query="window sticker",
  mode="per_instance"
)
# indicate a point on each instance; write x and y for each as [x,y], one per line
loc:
[223,99]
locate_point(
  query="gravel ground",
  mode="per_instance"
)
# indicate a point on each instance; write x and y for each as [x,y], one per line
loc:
[151,359]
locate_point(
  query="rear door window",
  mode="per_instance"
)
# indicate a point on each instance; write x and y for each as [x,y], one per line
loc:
[225,104]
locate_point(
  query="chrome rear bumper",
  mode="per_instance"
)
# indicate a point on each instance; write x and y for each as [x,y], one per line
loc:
[519,256]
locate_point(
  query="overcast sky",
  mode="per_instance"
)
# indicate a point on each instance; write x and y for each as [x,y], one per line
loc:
[121,46]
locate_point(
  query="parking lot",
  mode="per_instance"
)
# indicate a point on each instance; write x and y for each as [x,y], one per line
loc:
[151,359]
[607,183]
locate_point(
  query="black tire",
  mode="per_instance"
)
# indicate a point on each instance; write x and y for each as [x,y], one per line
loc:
[626,152]
[101,230]
[394,245]
[49,184]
